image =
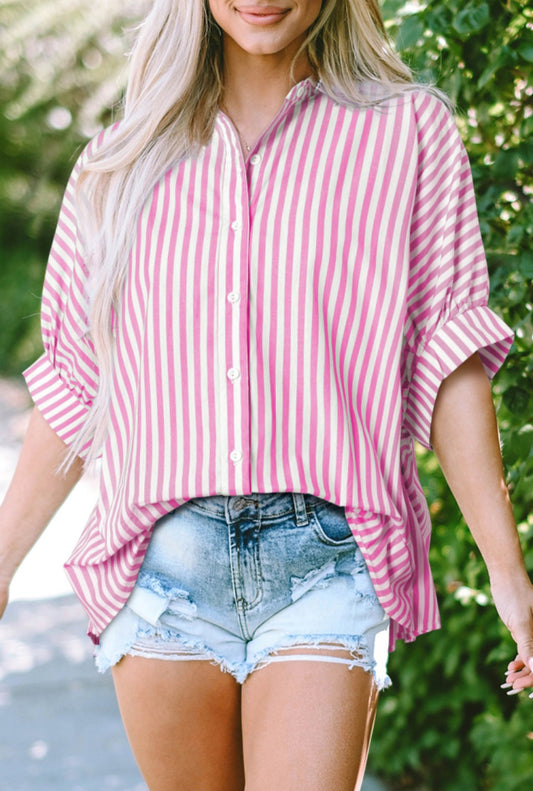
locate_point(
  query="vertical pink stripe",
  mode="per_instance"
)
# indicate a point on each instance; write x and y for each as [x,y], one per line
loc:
[162,322]
[334,437]
[188,246]
[144,422]
[199,373]
[217,164]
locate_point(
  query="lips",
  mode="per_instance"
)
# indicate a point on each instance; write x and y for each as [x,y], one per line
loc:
[262,14]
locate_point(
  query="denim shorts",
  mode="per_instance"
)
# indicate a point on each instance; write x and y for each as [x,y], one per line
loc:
[238,579]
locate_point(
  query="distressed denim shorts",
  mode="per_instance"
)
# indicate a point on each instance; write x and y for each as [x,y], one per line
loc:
[238,579]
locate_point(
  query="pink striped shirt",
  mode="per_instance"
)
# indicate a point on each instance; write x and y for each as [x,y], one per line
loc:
[286,324]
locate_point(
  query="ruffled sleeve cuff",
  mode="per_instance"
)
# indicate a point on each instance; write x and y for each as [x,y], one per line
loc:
[477,329]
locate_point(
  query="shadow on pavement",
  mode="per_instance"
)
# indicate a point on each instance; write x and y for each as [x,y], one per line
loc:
[60,729]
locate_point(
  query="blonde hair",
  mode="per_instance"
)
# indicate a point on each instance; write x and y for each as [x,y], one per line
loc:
[173,95]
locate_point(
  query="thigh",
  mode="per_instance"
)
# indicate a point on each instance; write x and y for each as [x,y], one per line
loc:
[182,719]
[307,725]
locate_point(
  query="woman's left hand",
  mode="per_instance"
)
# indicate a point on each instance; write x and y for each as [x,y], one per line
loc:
[515,607]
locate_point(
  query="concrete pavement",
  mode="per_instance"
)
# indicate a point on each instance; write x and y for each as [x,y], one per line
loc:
[60,729]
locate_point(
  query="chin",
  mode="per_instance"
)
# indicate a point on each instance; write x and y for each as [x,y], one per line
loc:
[267,44]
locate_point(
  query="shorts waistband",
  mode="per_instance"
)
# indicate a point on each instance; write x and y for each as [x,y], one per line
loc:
[259,504]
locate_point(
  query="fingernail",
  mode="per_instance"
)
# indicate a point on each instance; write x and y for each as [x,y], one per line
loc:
[530,696]
[505,686]
[514,691]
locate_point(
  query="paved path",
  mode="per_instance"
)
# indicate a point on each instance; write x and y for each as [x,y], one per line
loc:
[60,729]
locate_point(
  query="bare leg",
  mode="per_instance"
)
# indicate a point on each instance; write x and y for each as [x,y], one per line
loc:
[307,725]
[183,723]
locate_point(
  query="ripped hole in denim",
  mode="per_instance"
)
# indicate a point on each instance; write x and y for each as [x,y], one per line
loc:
[351,652]
[164,645]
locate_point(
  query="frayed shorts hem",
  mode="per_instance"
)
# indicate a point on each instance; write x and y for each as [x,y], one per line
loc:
[150,643]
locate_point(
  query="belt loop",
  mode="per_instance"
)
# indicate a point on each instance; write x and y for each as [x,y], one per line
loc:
[302,517]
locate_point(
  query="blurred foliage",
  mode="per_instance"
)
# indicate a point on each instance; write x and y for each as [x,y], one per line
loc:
[62,70]
[445,724]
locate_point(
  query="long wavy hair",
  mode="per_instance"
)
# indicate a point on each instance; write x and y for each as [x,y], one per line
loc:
[173,95]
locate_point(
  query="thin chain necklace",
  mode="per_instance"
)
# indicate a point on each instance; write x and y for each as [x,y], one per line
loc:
[243,141]
[245,145]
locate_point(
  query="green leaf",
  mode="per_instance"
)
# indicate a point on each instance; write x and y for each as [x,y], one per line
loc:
[526,51]
[506,163]
[411,31]
[516,399]
[440,19]
[525,150]
[515,235]
[505,57]
[525,266]
[520,444]
[472,19]
[526,128]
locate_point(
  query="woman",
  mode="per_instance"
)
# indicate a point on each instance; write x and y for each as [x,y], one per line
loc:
[266,282]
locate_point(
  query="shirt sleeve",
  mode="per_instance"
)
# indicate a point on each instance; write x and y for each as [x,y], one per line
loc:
[63,381]
[448,318]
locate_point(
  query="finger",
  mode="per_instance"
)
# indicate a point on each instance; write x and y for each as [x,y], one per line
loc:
[517,681]
[526,656]
[512,677]
[518,677]
[524,643]
[519,686]
[515,665]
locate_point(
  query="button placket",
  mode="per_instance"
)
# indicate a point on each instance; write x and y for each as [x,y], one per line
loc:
[235,418]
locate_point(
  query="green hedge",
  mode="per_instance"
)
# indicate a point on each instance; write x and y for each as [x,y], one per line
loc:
[446,725]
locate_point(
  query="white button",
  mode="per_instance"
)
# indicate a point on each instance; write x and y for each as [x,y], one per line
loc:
[234,296]
[233,373]
[255,159]
[235,455]
[236,225]
[300,91]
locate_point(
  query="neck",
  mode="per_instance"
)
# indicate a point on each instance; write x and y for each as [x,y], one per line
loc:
[258,84]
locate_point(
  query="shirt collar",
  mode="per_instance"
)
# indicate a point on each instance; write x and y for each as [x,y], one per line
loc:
[303,89]
[298,93]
